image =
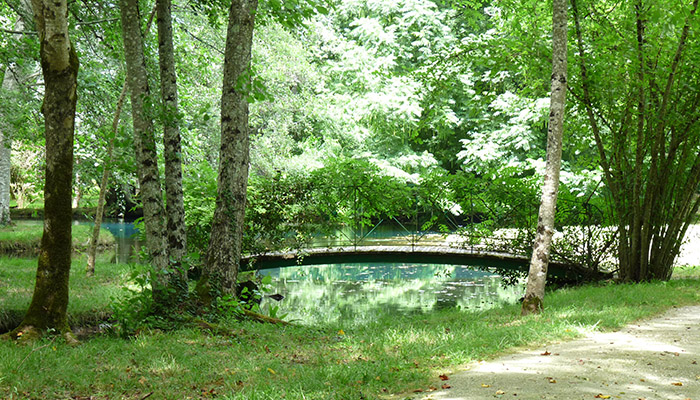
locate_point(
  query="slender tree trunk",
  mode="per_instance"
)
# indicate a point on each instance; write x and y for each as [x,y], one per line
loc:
[48,309]
[175,208]
[99,214]
[11,85]
[654,187]
[537,276]
[92,247]
[223,256]
[145,146]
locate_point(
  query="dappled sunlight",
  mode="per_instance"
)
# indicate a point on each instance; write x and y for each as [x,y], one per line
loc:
[165,365]
[656,360]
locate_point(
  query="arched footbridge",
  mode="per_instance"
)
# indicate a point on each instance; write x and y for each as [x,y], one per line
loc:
[397,254]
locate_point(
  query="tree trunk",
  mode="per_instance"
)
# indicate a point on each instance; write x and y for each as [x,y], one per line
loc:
[10,84]
[145,147]
[175,209]
[539,263]
[92,247]
[223,257]
[654,179]
[60,68]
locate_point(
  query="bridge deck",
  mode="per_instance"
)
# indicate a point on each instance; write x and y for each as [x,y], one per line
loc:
[394,254]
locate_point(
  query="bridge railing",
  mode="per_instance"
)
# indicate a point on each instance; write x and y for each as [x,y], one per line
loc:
[471,214]
[483,225]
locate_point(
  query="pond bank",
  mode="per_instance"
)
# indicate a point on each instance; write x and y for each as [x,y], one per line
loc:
[23,239]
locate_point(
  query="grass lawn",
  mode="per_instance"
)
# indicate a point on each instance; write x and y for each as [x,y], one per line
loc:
[389,358]
[24,237]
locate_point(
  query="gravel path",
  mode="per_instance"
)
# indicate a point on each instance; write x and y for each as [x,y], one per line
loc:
[655,359]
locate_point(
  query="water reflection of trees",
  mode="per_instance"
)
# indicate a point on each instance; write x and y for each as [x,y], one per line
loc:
[359,293]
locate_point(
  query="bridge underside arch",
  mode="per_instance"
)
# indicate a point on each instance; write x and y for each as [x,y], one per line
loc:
[394,254]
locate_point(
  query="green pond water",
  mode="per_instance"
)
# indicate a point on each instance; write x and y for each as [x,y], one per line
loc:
[361,293]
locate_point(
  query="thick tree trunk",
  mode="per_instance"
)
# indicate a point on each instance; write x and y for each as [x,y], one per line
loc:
[60,68]
[223,257]
[537,275]
[175,208]
[145,146]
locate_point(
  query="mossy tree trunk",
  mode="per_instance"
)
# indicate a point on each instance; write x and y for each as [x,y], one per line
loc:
[172,150]
[59,62]
[92,248]
[539,263]
[145,147]
[223,257]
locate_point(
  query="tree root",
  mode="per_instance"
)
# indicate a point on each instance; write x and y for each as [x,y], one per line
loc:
[25,334]
[263,318]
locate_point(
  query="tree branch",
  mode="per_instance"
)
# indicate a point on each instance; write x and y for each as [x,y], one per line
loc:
[98,21]
[18,32]
[193,36]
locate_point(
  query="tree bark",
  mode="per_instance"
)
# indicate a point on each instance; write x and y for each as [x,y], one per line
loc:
[539,263]
[59,62]
[175,208]
[10,85]
[92,248]
[145,147]
[223,257]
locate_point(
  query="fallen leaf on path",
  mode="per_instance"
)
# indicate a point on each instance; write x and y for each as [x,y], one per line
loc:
[677,383]
[602,396]
[483,385]
[500,392]
[446,386]
[552,380]
[546,353]
[444,377]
